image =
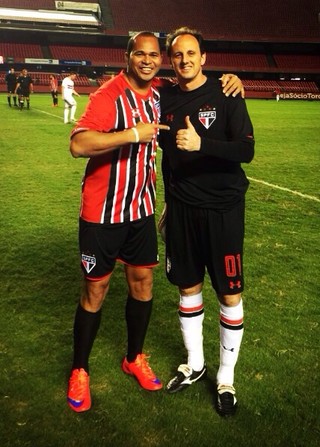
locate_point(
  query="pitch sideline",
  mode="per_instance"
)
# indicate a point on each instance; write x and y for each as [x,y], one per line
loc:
[47,113]
[282,188]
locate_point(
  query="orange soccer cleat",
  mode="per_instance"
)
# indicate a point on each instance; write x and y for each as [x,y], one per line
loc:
[79,398]
[143,373]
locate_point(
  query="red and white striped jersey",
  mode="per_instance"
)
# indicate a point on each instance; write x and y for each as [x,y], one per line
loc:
[119,186]
[53,83]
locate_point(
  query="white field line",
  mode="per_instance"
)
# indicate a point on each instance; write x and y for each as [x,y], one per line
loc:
[297,193]
[47,113]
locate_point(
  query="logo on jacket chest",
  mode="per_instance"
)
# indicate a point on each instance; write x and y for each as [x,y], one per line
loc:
[207,115]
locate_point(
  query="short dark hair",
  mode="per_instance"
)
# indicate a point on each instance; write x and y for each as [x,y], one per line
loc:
[132,39]
[181,32]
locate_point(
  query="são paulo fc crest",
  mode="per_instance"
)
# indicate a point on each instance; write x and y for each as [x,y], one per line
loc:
[88,262]
[207,115]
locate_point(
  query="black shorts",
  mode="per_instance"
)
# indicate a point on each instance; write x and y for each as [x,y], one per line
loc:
[132,243]
[198,239]
[23,92]
[11,88]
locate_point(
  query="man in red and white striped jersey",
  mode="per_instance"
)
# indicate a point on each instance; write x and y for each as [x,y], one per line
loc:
[118,133]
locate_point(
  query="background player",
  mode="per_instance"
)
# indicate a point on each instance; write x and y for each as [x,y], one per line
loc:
[53,84]
[11,81]
[23,88]
[70,104]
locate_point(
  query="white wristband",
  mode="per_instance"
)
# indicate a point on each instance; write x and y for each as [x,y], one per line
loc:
[136,133]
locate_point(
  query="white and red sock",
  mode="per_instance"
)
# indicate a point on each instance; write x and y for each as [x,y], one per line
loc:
[231,332]
[191,316]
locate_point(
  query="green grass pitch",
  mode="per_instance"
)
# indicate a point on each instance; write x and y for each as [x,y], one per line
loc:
[277,375]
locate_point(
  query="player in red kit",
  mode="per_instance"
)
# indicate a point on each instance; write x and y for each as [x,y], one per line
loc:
[118,132]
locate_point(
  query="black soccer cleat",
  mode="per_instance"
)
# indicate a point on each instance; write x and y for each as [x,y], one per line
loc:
[186,376]
[226,402]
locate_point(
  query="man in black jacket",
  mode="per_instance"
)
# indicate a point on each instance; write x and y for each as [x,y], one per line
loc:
[210,136]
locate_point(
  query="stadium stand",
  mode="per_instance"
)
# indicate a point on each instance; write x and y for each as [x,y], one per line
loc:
[20,50]
[270,45]
[298,86]
[239,61]
[102,79]
[250,19]
[97,55]
[297,60]
[287,20]
[115,57]
[284,86]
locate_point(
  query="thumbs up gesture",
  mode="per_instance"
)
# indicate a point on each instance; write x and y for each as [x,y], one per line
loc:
[187,139]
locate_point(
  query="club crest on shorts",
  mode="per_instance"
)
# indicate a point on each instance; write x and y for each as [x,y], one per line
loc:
[207,115]
[88,262]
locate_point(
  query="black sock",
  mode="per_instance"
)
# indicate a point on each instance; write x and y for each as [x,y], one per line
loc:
[86,325]
[137,316]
